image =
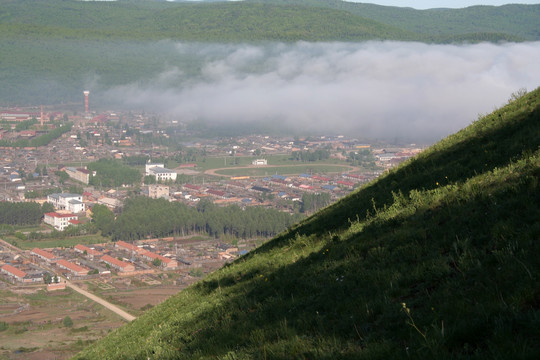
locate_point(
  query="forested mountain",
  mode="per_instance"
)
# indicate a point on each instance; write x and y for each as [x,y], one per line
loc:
[263,20]
[439,258]
[442,24]
[51,50]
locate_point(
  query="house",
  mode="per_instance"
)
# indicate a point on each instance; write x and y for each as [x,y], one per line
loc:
[260,162]
[346,183]
[111,203]
[89,251]
[118,264]
[129,247]
[167,263]
[158,191]
[354,177]
[160,172]
[60,221]
[13,272]
[44,255]
[66,201]
[79,174]
[74,268]
[217,193]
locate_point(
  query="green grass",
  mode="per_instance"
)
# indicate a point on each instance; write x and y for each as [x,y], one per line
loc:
[59,243]
[223,162]
[439,258]
[285,170]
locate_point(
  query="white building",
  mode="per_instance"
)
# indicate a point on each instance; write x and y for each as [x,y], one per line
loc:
[66,201]
[160,172]
[259,162]
[60,221]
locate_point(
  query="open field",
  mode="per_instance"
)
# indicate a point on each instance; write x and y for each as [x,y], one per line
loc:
[208,163]
[38,331]
[258,171]
[51,243]
[34,317]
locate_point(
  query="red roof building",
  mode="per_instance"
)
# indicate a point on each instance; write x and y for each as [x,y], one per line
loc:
[346,183]
[74,268]
[192,187]
[59,221]
[13,272]
[165,262]
[44,255]
[91,252]
[118,264]
[320,178]
[217,193]
[129,247]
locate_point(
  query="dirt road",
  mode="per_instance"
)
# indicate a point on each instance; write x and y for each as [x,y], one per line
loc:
[99,300]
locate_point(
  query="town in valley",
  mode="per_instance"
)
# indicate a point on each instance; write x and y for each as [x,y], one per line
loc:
[42,266]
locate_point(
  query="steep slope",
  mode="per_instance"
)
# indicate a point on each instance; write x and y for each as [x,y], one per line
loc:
[436,259]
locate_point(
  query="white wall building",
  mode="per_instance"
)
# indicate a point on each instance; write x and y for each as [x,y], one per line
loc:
[66,201]
[60,221]
[259,162]
[160,172]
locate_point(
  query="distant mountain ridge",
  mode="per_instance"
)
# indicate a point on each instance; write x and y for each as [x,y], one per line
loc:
[516,20]
[51,49]
[264,20]
[438,258]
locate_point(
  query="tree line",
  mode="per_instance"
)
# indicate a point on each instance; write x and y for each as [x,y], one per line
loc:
[113,173]
[19,213]
[42,140]
[144,217]
[315,155]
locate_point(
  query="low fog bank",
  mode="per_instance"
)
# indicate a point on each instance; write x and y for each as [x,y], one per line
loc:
[388,90]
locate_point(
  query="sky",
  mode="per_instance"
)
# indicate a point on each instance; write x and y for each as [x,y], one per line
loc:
[403,91]
[429,4]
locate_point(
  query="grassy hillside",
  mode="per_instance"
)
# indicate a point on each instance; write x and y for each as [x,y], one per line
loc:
[439,258]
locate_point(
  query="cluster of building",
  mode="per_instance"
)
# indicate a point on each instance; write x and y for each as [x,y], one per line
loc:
[122,258]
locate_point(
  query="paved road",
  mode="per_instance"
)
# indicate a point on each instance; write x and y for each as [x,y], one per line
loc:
[99,300]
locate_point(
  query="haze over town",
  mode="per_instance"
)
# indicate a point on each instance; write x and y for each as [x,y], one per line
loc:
[394,90]
[144,165]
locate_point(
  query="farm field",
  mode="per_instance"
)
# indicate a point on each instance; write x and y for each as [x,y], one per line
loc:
[34,323]
[34,317]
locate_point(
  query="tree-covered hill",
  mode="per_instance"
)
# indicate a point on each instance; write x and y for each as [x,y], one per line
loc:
[516,20]
[262,20]
[439,258]
[216,22]
[51,50]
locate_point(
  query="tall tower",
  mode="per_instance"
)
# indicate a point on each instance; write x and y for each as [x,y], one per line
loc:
[86,93]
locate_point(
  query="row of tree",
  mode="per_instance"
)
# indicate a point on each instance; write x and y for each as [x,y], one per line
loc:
[313,202]
[315,155]
[20,213]
[144,217]
[42,140]
[113,173]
